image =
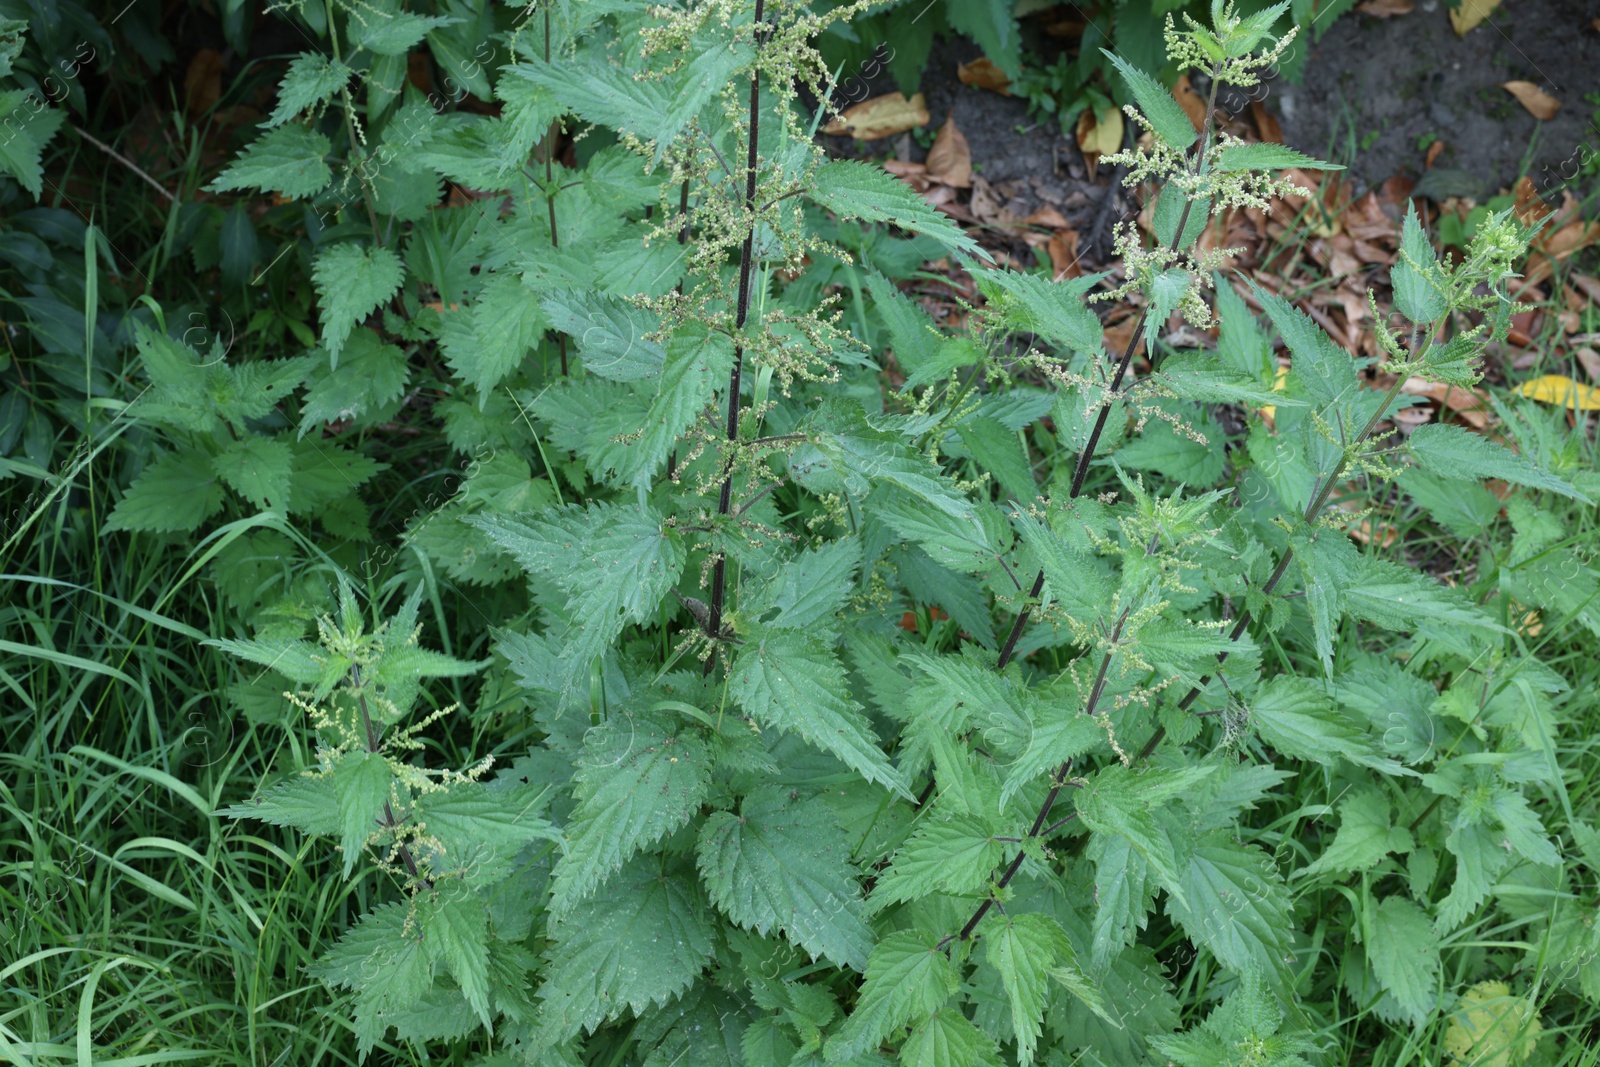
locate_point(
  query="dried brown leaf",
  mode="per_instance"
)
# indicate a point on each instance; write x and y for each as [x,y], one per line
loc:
[882,116]
[1540,105]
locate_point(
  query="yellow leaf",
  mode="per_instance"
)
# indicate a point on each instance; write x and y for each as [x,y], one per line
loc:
[1559,389]
[1540,104]
[1098,136]
[1470,13]
[1492,1028]
[882,116]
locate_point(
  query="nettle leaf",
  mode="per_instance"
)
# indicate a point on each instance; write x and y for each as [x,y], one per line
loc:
[1265,156]
[481,828]
[394,33]
[258,469]
[614,563]
[1322,368]
[364,388]
[1025,949]
[307,803]
[641,940]
[487,342]
[176,493]
[1297,718]
[784,864]
[948,1038]
[956,855]
[811,587]
[852,189]
[290,161]
[1121,802]
[911,332]
[612,335]
[455,926]
[1419,282]
[1124,895]
[361,782]
[696,360]
[382,961]
[28,128]
[352,282]
[1234,903]
[794,682]
[1000,452]
[962,544]
[1168,120]
[1056,311]
[1364,837]
[1479,860]
[908,977]
[1454,452]
[637,783]
[312,79]
[1403,948]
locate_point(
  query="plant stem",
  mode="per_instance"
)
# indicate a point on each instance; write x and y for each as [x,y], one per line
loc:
[389,822]
[742,312]
[1057,781]
[549,183]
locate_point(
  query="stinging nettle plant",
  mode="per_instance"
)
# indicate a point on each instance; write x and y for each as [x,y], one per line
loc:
[765,823]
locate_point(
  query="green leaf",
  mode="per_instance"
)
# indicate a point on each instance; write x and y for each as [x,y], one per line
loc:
[290,161]
[1479,860]
[307,803]
[793,682]
[364,388]
[637,783]
[28,127]
[1122,802]
[312,79]
[1419,283]
[503,325]
[1197,376]
[1454,452]
[948,1038]
[1322,368]
[1298,719]
[394,33]
[177,493]
[785,865]
[1364,837]
[361,782]
[911,332]
[388,971]
[1124,895]
[1166,118]
[258,469]
[1265,155]
[1024,949]
[961,544]
[696,362]
[642,940]
[612,335]
[1000,452]
[455,929]
[482,828]
[1234,903]
[1243,1029]
[852,189]
[615,565]
[811,587]
[956,855]
[908,977]
[1403,948]
[352,282]
[1056,311]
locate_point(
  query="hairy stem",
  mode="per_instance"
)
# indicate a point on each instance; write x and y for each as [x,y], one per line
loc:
[742,313]
[388,822]
[549,185]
